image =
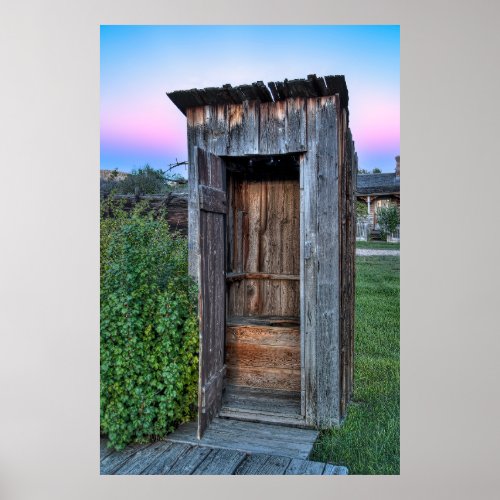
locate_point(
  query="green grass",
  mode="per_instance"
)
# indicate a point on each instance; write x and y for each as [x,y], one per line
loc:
[381,245]
[368,441]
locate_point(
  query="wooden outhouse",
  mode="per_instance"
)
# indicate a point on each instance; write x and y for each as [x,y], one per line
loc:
[271,244]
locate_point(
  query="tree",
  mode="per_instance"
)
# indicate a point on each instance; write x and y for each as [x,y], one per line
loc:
[374,171]
[146,180]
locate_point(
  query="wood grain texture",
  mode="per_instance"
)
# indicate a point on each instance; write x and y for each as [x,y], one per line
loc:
[196,139]
[111,463]
[250,437]
[263,401]
[328,262]
[264,280]
[212,292]
[143,459]
[162,464]
[270,378]
[189,461]
[278,226]
[212,200]
[252,464]
[281,321]
[105,451]
[262,356]
[305,467]
[335,470]
[187,458]
[260,276]
[308,270]
[220,462]
[275,336]
[274,466]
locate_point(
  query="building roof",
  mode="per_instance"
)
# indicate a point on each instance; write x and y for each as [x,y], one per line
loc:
[312,86]
[377,184]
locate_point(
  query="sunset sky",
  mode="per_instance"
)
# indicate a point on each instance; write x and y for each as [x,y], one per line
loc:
[139,64]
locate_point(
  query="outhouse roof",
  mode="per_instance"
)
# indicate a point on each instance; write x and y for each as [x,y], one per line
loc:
[312,86]
[377,184]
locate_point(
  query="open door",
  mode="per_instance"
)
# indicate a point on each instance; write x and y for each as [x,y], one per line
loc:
[212,292]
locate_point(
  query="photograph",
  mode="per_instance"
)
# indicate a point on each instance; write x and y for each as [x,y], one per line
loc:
[249,249]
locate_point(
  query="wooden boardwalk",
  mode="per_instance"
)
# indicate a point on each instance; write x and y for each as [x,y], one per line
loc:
[228,447]
[168,458]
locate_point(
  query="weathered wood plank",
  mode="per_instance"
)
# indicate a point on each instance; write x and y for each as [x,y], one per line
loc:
[162,464]
[237,398]
[143,458]
[335,470]
[271,378]
[328,262]
[295,127]
[251,464]
[281,321]
[264,356]
[250,437]
[105,451]
[216,129]
[262,91]
[259,464]
[263,417]
[243,128]
[274,465]
[195,121]
[212,390]
[307,467]
[212,292]
[212,200]
[115,460]
[188,462]
[272,139]
[336,85]
[261,276]
[308,270]
[318,84]
[219,462]
[274,335]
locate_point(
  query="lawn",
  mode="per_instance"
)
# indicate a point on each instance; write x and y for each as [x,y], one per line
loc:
[380,245]
[368,441]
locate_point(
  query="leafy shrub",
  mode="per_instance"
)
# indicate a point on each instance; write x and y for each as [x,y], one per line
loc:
[388,219]
[149,330]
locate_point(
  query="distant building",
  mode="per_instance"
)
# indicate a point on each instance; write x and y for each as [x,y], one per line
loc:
[378,190]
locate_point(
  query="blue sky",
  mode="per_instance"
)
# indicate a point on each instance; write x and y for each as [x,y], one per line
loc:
[139,64]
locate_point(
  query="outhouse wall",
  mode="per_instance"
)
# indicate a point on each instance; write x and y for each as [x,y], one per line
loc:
[317,129]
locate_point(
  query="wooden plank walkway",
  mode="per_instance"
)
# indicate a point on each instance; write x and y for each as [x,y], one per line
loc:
[173,458]
[250,437]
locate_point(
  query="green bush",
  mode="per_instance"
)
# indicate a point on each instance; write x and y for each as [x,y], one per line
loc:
[149,329]
[388,219]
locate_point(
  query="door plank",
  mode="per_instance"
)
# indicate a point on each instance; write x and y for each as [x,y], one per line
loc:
[212,288]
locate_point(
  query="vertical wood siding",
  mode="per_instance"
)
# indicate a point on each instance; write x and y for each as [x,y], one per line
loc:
[315,127]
